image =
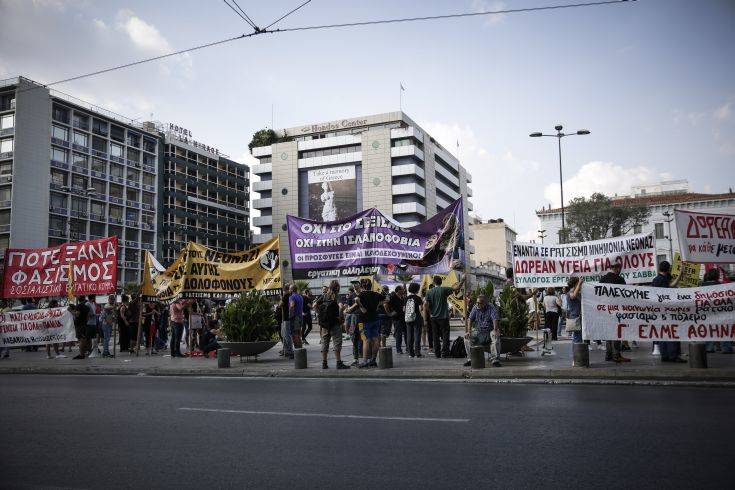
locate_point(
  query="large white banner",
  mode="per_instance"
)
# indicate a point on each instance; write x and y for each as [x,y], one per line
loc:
[538,265]
[623,312]
[706,237]
[36,327]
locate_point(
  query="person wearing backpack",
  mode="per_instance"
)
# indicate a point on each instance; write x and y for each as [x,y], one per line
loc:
[414,320]
[330,326]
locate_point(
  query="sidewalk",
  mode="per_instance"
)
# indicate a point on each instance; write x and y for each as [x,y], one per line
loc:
[557,368]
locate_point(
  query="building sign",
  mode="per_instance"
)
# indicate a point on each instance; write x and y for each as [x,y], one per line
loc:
[368,243]
[179,130]
[333,126]
[36,327]
[641,313]
[706,237]
[537,265]
[332,193]
[179,133]
[36,272]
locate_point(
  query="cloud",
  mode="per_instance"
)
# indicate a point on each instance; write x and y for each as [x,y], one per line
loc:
[485,6]
[99,24]
[143,35]
[605,177]
[724,112]
[693,118]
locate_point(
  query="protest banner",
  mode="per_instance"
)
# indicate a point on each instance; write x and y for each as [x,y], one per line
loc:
[151,268]
[625,312]
[369,243]
[539,265]
[706,237]
[687,272]
[34,272]
[200,272]
[36,327]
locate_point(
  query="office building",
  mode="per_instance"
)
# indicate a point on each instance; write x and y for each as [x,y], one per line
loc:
[71,171]
[205,196]
[493,242]
[385,161]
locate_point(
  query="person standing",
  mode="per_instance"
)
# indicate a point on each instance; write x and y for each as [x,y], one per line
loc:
[563,314]
[123,325]
[395,307]
[414,320]
[386,323]
[367,303]
[296,315]
[437,309]
[308,300]
[485,317]
[712,278]
[330,326]
[133,320]
[613,348]
[574,309]
[176,314]
[670,351]
[552,303]
[107,323]
[286,323]
[92,327]
[81,315]
[54,304]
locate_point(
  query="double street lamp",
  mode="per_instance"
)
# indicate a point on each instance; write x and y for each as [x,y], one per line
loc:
[559,135]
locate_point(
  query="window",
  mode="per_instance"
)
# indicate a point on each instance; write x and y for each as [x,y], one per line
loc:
[131,215]
[60,133]
[7,102]
[99,187]
[116,191]
[79,182]
[116,211]
[59,155]
[117,133]
[659,230]
[6,145]
[637,229]
[6,168]
[133,139]
[148,198]
[79,160]
[131,234]
[96,229]
[117,170]
[58,177]
[81,139]
[149,145]
[131,255]
[116,150]
[149,179]
[99,144]
[5,193]
[78,226]
[60,114]
[98,208]
[133,155]
[99,127]
[99,165]
[57,223]
[81,121]
[4,242]
[149,160]
[113,230]
[7,121]
[133,175]
[147,237]
[132,195]
[148,219]
[58,201]
[79,204]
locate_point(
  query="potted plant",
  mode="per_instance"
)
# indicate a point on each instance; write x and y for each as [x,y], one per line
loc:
[513,321]
[248,325]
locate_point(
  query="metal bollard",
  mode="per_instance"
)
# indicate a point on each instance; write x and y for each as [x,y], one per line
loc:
[223,358]
[299,356]
[581,354]
[477,357]
[385,358]
[697,355]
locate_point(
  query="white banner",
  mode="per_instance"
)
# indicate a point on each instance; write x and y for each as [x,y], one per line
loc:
[706,237]
[538,265]
[36,327]
[623,312]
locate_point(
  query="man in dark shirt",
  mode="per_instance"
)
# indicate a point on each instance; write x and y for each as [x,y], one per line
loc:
[670,351]
[437,309]
[81,315]
[613,348]
[395,307]
[366,304]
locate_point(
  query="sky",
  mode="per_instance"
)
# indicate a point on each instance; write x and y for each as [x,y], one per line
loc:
[653,80]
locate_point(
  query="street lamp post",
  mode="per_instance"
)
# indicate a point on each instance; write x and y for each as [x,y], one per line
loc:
[669,218]
[542,235]
[559,135]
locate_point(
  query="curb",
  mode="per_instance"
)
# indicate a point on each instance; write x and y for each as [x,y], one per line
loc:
[710,378]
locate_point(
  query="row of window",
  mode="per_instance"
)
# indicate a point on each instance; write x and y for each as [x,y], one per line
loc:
[100,144]
[7,121]
[81,205]
[407,142]
[329,151]
[202,160]
[102,128]
[79,227]
[81,160]
[100,187]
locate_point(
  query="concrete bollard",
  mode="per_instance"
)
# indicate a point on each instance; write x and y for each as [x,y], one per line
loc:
[697,355]
[477,357]
[223,358]
[299,357]
[385,358]
[581,354]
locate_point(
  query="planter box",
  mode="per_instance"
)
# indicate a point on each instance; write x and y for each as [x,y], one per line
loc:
[510,345]
[249,349]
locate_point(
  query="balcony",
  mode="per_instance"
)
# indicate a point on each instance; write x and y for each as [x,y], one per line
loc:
[100,154]
[78,214]
[117,180]
[59,187]
[95,237]
[147,246]
[129,264]
[6,204]
[262,237]
[407,169]
[132,204]
[100,175]
[77,235]
[441,170]
[7,131]
[262,151]
[5,178]
[263,221]
[131,244]
[4,228]
[96,217]
[399,189]
[116,200]
[147,207]
[58,164]
[6,156]
[409,132]
[148,168]
[133,184]
[354,156]
[53,232]
[266,202]
[114,221]
[59,142]
[469,191]
[81,148]
[409,207]
[447,190]
[132,223]
[263,185]
[406,151]
[79,170]
[263,168]
[150,188]
[117,159]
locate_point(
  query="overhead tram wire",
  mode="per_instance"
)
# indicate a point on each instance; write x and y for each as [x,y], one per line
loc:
[284,15]
[327,26]
[249,22]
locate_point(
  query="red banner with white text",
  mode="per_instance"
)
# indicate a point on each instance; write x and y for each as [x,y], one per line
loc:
[37,272]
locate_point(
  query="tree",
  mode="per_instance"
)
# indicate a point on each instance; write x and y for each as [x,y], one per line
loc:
[599,217]
[131,288]
[266,137]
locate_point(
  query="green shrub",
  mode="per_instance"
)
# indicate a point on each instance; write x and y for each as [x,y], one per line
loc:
[513,313]
[249,318]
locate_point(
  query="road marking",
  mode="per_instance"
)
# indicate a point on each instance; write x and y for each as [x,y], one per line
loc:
[325,415]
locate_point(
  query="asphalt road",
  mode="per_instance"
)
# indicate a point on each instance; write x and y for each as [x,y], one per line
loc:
[149,432]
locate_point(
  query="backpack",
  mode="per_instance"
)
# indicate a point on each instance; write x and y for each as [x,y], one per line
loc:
[458,351]
[410,310]
[328,313]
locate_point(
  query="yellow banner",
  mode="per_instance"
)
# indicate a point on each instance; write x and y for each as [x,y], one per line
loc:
[689,274]
[455,300]
[200,272]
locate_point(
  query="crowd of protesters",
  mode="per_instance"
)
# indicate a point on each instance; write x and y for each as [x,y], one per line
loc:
[419,321]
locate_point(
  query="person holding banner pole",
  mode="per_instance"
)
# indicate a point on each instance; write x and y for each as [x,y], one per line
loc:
[613,348]
[670,351]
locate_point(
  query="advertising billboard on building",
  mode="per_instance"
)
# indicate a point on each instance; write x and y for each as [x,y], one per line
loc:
[332,193]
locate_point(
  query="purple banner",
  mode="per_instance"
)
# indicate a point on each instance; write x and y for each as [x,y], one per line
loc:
[369,243]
